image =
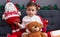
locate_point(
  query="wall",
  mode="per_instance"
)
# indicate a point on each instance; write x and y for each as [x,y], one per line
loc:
[41,2]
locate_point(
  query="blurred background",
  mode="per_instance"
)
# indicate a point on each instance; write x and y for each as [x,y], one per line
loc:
[44,4]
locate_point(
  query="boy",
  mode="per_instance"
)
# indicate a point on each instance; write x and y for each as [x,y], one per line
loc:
[31,11]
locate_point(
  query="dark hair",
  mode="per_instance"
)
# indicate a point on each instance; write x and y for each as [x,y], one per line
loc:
[32,4]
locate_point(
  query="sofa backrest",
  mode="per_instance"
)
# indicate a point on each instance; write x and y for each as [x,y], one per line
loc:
[53,16]
[4,27]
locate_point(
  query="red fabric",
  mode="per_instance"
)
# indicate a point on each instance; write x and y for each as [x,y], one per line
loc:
[13,27]
[23,30]
[44,29]
[48,33]
[38,5]
[15,34]
[8,0]
[12,35]
[11,22]
[17,27]
[44,23]
[19,33]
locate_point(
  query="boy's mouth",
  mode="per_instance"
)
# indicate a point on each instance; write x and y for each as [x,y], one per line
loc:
[31,15]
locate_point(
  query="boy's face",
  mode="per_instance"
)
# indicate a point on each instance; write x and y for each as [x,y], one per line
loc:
[31,10]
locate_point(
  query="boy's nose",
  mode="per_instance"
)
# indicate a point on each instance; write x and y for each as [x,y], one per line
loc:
[30,12]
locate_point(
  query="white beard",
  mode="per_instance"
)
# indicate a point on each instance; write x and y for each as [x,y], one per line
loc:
[10,7]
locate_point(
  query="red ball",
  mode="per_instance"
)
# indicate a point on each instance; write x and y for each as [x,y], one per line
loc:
[34,1]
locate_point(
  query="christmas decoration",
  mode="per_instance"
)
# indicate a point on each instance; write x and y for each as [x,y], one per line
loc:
[1,7]
[55,7]
[12,17]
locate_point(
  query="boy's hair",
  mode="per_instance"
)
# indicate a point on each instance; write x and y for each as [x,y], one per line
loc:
[32,4]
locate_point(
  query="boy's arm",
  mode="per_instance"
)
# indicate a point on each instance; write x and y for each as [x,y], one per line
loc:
[22,26]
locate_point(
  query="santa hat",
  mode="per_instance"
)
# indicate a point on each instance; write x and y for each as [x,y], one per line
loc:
[34,1]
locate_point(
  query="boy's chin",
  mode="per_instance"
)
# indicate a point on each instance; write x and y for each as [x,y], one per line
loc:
[31,15]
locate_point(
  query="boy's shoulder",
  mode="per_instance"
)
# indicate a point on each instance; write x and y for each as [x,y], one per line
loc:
[37,16]
[25,17]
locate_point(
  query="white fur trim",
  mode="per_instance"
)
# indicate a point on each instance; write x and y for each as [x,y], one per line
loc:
[17,29]
[13,31]
[27,31]
[11,16]
[55,33]
[24,34]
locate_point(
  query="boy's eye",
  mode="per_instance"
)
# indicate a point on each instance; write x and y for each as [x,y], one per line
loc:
[30,9]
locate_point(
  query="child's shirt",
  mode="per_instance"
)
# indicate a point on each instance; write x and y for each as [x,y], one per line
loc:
[28,19]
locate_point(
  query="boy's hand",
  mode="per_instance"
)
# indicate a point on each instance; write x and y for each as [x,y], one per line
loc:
[17,24]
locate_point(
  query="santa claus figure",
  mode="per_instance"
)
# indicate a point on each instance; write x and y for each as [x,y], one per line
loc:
[12,17]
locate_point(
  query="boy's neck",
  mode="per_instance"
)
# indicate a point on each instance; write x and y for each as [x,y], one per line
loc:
[31,16]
